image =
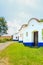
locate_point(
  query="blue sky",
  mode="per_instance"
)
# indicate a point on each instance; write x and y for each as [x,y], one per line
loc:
[18,12]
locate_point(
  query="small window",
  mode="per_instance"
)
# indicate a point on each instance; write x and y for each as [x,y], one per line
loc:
[42,33]
[26,33]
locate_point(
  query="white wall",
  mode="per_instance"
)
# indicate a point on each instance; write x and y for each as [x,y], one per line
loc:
[14,36]
[20,35]
[33,26]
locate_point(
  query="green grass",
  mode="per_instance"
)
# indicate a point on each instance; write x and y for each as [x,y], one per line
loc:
[19,54]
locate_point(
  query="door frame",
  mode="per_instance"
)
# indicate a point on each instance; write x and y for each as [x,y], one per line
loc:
[35,40]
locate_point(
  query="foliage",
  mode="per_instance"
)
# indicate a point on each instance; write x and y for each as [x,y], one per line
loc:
[3,26]
[3,40]
[41,20]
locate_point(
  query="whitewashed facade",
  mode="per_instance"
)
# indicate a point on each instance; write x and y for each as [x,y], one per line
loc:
[15,36]
[21,30]
[33,33]
[20,36]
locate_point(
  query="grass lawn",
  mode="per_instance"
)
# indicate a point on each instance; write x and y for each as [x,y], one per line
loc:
[18,54]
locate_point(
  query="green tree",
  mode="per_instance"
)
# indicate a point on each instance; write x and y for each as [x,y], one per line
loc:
[41,20]
[3,26]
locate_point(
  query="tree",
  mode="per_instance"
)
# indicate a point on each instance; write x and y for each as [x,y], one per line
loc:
[3,26]
[41,20]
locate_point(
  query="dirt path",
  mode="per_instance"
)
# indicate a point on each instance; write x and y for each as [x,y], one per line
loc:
[5,60]
[4,45]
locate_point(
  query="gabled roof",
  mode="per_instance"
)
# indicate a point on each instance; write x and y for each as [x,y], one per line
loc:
[34,19]
[25,25]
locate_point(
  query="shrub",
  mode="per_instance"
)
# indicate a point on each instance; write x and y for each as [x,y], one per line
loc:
[2,40]
[8,39]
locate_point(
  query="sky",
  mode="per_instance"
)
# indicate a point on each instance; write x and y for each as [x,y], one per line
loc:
[18,12]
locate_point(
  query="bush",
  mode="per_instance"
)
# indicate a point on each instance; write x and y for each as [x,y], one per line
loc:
[8,39]
[2,40]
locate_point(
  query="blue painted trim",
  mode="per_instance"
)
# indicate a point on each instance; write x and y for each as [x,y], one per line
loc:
[28,43]
[20,41]
[40,44]
[15,40]
[32,44]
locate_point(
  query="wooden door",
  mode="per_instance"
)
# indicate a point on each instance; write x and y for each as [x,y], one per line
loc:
[36,38]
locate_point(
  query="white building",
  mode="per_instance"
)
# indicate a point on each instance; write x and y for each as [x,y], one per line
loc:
[21,30]
[33,33]
[15,36]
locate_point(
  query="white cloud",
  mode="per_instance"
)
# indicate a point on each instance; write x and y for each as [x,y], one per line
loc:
[10,1]
[13,26]
[31,3]
[22,14]
[24,17]
[10,31]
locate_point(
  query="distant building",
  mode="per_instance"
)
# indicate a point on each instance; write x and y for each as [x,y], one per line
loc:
[15,36]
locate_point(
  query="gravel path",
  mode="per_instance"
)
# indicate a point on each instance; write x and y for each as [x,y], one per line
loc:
[4,45]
